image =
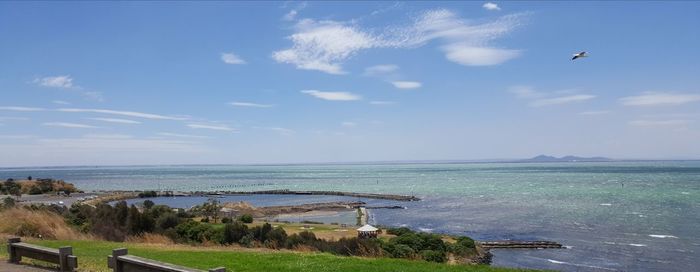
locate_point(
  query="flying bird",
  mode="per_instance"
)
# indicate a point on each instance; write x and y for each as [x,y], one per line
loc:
[582,54]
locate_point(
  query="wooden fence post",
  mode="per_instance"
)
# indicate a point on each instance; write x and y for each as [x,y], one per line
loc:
[114,264]
[63,253]
[14,257]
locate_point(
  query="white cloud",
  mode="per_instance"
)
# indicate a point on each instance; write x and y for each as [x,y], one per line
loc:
[65,82]
[17,137]
[406,84]
[561,100]
[348,124]
[248,104]
[169,134]
[96,96]
[115,120]
[60,102]
[280,130]
[380,70]
[16,108]
[658,99]
[478,56]
[325,45]
[292,14]
[125,113]
[601,112]
[656,123]
[525,92]
[231,58]
[382,102]
[334,96]
[491,6]
[67,125]
[212,127]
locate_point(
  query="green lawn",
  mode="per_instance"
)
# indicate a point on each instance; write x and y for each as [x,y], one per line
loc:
[92,256]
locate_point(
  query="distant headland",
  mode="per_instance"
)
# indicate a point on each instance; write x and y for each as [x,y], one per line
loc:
[545,158]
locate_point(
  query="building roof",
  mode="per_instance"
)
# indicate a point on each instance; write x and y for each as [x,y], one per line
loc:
[367,228]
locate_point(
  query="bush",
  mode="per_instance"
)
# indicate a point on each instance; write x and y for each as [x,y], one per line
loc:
[399,231]
[148,194]
[167,221]
[192,231]
[233,233]
[433,256]
[226,220]
[148,204]
[8,202]
[35,190]
[246,218]
[398,250]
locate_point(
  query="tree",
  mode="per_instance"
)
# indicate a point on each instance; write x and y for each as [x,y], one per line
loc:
[234,232]
[246,218]
[211,209]
[8,202]
[148,204]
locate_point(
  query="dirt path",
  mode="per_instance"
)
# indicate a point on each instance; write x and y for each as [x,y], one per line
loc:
[5,266]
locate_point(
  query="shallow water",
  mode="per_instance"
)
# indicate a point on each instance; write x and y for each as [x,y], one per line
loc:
[623,216]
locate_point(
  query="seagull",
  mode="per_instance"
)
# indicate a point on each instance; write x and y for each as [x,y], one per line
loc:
[582,54]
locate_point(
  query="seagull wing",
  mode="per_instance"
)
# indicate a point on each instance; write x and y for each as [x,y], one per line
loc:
[575,57]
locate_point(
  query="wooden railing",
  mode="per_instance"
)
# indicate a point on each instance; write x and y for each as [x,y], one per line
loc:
[120,261]
[63,256]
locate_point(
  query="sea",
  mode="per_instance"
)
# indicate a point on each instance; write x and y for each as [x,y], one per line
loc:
[610,216]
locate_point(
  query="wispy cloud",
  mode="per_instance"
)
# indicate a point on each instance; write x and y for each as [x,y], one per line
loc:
[381,70]
[67,125]
[406,84]
[7,118]
[17,137]
[377,102]
[600,112]
[60,102]
[656,123]
[115,120]
[348,124]
[525,92]
[65,82]
[252,105]
[211,127]
[280,130]
[491,6]
[289,16]
[179,135]
[325,45]
[333,96]
[18,108]
[231,58]
[561,100]
[124,113]
[658,99]
[292,14]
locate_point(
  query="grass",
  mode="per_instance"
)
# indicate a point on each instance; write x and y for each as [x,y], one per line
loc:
[92,256]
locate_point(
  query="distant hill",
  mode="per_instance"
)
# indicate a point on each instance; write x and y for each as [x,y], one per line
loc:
[545,158]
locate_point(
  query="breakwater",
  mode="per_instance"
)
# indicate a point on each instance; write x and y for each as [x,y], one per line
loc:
[334,193]
[519,244]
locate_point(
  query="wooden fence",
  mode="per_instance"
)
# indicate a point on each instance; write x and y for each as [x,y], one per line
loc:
[63,256]
[120,261]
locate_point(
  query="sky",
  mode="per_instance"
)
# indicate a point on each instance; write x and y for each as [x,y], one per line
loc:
[126,83]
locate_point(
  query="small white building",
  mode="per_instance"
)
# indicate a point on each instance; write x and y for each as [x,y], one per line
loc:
[367,231]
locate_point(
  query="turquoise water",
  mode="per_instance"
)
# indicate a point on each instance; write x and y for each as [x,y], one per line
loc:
[624,216]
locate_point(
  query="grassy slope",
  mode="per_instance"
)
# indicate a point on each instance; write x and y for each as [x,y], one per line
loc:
[92,256]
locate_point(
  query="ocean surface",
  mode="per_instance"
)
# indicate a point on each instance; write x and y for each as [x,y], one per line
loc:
[611,216]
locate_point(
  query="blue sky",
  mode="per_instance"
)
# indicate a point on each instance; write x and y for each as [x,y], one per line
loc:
[296,82]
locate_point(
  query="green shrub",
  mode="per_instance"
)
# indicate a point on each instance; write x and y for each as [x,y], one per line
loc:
[399,231]
[433,256]
[246,218]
